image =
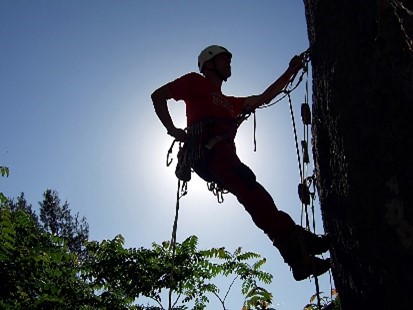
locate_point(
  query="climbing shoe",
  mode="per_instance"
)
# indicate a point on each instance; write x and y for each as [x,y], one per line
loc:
[298,248]
[309,266]
[314,244]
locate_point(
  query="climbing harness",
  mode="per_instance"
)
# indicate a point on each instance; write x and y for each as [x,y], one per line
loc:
[192,153]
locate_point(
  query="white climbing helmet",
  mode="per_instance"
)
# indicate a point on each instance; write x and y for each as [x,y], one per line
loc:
[209,53]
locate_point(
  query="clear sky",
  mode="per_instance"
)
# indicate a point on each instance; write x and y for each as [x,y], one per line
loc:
[76,116]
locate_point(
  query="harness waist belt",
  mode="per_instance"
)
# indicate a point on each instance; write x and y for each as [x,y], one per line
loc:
[214,141]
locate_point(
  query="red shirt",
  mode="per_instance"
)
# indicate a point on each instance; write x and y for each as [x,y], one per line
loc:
[203,99]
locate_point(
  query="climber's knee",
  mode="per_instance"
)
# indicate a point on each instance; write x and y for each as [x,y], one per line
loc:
[246,175]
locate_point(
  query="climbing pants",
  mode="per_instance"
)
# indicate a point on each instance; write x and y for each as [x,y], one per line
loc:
[226,169]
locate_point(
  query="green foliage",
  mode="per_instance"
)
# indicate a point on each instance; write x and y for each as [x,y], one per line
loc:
[57,219]
[333,301]
[4,171]
[39,269]
[7,235]
[21,204]
[132,273]
[237,264]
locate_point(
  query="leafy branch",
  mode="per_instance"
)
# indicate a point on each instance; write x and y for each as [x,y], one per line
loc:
[4,171]
[332,301]
[111,267]
[40,270]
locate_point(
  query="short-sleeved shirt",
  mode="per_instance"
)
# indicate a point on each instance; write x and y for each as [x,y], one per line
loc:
[203,99]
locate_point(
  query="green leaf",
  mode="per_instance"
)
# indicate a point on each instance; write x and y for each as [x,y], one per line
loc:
[4,171]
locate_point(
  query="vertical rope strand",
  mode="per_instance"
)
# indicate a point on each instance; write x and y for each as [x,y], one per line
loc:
[173,243]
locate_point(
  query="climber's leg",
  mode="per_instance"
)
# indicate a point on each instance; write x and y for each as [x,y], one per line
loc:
[237,178]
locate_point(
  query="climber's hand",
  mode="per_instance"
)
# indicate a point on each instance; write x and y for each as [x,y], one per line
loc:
[296,64]
[247,110]
[179,134]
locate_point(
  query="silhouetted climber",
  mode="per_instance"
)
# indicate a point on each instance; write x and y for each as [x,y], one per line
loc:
[210,147]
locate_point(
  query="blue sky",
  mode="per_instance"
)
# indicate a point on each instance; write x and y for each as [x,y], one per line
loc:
[76,116]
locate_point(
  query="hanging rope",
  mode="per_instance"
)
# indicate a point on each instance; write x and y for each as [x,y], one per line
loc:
[290,103]
[181,191]
[307,198]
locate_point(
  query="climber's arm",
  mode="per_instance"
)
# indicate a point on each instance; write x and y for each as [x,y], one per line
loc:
[253,102]
[160,99]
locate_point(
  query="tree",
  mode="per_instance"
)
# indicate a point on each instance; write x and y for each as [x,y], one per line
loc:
[58,220]
[362,60]
[4,171]
[38,270]
[22,204]
[120,274]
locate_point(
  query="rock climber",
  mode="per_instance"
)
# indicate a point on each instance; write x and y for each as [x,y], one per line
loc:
[211,153]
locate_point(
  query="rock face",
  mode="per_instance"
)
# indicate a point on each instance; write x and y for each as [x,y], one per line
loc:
[362,60]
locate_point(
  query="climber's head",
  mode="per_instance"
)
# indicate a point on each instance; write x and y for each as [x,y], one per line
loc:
[216,59]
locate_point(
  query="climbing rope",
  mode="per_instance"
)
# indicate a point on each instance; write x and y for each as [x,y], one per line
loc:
[181,191]
[306,196]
